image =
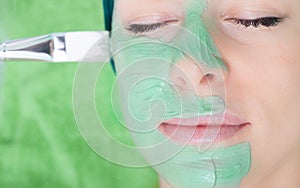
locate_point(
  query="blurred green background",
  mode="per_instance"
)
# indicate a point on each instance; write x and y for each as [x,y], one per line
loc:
[40,144]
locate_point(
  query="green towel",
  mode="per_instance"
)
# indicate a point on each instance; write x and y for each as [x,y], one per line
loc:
[40,143]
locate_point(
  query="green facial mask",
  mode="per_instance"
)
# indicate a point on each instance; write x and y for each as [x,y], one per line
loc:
[144,64]
[220,168]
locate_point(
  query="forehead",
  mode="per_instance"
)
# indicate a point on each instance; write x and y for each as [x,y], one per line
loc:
[131,8]
[137,6]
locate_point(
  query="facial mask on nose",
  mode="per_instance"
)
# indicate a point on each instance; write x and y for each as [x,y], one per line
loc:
[144,64]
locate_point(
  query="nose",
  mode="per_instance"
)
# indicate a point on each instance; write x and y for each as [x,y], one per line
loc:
[187,75]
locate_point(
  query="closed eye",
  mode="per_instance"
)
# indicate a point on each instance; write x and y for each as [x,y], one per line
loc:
[147,28]
[264,21]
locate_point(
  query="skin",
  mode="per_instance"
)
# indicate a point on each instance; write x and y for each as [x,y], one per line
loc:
[262,82]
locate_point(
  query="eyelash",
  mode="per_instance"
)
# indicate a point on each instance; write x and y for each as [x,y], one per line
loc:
[144,28]
[265,22]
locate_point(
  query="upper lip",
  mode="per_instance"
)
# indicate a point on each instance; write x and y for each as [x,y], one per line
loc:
[226,118]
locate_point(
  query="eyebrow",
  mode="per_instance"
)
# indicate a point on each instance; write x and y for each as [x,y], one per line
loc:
[233,6]
[137,8]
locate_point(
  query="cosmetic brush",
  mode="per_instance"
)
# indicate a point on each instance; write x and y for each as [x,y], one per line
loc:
[86,46]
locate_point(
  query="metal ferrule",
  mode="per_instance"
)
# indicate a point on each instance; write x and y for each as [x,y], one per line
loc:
[59,47]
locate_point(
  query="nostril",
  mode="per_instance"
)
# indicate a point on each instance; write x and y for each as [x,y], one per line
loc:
[207,79]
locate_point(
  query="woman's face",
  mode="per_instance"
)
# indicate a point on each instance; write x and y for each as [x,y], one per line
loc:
[259,42]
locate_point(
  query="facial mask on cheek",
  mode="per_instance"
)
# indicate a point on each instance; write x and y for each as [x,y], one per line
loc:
[150,96]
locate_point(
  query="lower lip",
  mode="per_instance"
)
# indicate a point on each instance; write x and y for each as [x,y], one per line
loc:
[194,135]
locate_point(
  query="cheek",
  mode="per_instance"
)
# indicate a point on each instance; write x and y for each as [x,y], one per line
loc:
[268,72]
[264,85]
[264,79]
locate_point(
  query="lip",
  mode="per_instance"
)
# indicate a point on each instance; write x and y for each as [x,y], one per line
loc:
[203,129]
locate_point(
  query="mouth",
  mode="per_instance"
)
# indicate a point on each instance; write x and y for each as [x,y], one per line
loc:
[203,129]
